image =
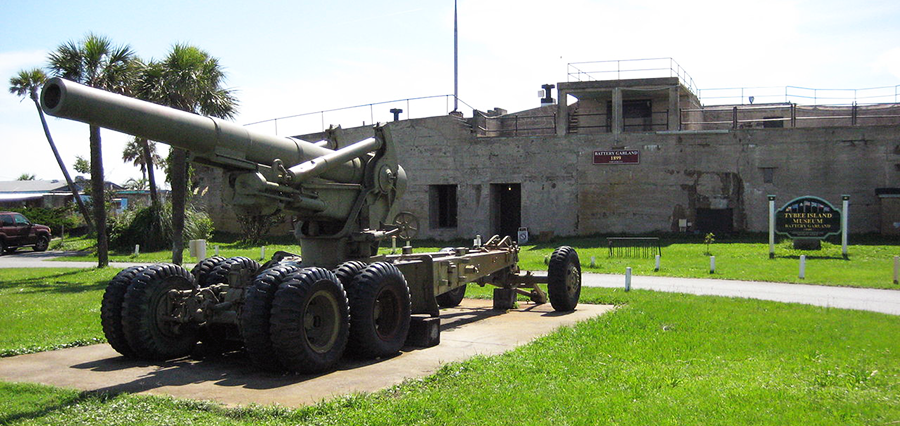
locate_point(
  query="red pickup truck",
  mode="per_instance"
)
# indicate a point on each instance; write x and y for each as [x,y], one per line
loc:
[17,231]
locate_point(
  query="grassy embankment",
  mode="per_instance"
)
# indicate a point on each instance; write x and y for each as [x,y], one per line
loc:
[658,359]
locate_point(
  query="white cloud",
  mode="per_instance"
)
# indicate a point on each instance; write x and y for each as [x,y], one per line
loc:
[889,62]
[12,62]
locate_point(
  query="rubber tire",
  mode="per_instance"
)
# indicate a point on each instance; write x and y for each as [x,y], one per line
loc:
[219,274]
[452,298]
[111,310]
[564,279]
[202,270]
[347,271]
[3,248]
[290,336]
[142,330]
[255,316]
[379,311]
[42,244]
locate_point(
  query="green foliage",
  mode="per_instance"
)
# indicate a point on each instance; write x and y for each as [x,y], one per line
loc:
[152,228]
[25,176]
[27,82]
[82,243]
[255,227]
[709,239]
[56,218]
[82,165]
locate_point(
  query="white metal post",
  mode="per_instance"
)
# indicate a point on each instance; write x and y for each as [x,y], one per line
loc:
[802,266]
[712,264]
[845,216]
[628,279]
[657,264]
[771,227]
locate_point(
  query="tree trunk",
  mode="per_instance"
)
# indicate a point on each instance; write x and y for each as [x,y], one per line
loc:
[97,195]
[62,166]
[178,194]
[151,177]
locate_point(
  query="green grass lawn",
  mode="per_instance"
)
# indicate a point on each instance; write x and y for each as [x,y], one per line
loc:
[49,308]
[867,266]
[870,263]
[658,359]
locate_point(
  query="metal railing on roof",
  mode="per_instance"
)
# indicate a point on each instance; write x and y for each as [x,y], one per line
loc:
[630,68]
[366,114]
[799,95]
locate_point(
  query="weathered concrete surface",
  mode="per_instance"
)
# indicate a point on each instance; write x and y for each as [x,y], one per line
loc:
[471,329]
[863,299]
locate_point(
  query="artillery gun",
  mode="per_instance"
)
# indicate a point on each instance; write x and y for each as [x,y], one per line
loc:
[298,313]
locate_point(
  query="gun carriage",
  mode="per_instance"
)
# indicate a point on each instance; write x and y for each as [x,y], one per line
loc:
[298,312]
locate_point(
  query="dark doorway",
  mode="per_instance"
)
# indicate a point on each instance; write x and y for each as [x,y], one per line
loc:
[637,115]
[717,221]
[506,209]
[442,209]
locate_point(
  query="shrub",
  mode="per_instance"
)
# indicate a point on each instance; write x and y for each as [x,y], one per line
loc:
[56,218]
[255,227]
[152,228]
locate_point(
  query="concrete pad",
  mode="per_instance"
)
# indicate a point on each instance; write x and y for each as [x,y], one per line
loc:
[471,329]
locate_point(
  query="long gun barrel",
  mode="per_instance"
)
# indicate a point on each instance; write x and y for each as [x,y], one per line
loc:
[215,141]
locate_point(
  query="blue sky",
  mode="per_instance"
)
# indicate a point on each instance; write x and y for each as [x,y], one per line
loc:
[286,58]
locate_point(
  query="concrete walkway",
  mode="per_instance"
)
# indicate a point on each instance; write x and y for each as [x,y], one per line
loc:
[471,329]
[31,259]
[867,299]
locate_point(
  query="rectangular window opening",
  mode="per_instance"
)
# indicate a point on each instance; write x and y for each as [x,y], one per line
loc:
[442,206]
[768,174]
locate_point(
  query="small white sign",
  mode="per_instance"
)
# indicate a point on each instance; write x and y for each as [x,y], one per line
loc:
[523,235]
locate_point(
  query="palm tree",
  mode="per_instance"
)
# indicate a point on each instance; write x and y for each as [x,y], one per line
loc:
[136,184]
[191,80]
[26,83]
[97,63]
[142,153]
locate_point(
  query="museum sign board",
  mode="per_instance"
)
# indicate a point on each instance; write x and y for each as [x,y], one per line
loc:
[618,156]
[809,218]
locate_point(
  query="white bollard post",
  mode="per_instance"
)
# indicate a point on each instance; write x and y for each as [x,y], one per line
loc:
[656,268]
[771,226]
[712,264]
[802,266]
[593,261]
[217,250]
[845,221]
[262,252]
[628,279]
[896,269]
[137,249]
[393,244]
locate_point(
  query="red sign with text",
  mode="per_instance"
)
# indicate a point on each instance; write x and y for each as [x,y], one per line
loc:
[618,156]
